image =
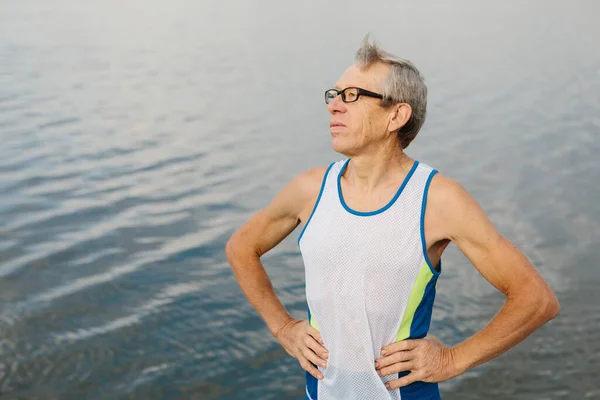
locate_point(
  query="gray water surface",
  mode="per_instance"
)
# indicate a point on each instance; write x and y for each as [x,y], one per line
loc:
[137,136]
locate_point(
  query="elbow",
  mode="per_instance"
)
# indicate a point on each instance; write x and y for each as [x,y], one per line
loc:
[551,307]
[547,306]
[237,248]
[231,248]
[541,303]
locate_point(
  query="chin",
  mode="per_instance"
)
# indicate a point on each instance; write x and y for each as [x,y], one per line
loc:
[339,145]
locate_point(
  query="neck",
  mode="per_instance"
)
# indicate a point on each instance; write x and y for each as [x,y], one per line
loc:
[372,169]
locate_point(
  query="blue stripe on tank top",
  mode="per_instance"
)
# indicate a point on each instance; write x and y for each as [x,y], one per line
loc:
[317,202]
[422,318]
[418,330]
[312,387]
[388,205]
[419,390]
[422,225]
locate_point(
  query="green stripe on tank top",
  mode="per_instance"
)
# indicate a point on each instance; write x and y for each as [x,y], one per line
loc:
[313,323]
[416,295]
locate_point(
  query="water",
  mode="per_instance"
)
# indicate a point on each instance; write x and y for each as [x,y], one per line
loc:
[137,136]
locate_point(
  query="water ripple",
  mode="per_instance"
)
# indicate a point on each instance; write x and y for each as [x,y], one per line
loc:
[167,296]
[129,159]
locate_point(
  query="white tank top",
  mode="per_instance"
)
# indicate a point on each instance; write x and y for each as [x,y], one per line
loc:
[369,283]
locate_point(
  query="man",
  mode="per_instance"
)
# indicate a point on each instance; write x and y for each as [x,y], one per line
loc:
[375,227]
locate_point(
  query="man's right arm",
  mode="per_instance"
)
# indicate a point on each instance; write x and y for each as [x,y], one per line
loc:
[262,232]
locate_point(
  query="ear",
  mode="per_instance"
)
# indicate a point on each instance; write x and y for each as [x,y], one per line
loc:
[399,116]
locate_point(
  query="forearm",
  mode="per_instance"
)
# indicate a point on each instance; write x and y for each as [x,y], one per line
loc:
[256,286]
[517,319]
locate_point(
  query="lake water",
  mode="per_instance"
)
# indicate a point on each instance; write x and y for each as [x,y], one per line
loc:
[137,136]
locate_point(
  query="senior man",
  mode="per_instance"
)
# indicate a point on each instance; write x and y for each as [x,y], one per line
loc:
[375,226]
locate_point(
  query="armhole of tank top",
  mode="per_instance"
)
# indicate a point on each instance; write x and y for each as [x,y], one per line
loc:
[422,226]
[316,202]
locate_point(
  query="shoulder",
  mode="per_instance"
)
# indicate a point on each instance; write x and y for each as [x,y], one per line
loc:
[445,191]
[452,207]
[300,191]
[312,177]
[306,183]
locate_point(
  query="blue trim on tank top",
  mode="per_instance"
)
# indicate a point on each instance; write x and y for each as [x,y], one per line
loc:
[317,202]
[388,205]
[419,390]
[312,386]
[422,318]
[422,226]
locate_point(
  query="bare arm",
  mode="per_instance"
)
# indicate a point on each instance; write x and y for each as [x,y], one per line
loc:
[452,214]
[262,232]
[530,302]
[258,235]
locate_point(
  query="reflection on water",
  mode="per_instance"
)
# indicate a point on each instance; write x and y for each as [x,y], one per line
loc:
[137,138]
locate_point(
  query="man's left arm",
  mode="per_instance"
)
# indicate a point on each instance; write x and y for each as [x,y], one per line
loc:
[529,304]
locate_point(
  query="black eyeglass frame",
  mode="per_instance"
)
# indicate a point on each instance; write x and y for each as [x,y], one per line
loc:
[359,92]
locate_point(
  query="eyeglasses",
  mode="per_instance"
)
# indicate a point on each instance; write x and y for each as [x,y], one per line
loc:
[349,95]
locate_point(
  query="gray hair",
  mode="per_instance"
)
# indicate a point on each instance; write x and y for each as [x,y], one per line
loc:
[404,84]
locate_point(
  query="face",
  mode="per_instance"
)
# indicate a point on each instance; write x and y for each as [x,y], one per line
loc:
[356,126]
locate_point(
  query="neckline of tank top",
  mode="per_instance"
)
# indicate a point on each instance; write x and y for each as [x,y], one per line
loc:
[382,209]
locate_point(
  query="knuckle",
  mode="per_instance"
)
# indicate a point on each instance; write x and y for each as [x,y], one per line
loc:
[304,354]
[315,358]
[309,357]
[313,344]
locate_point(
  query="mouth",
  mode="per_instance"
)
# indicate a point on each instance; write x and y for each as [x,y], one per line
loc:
[336,124]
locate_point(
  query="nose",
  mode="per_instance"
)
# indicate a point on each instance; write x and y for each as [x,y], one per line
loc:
[336,105]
